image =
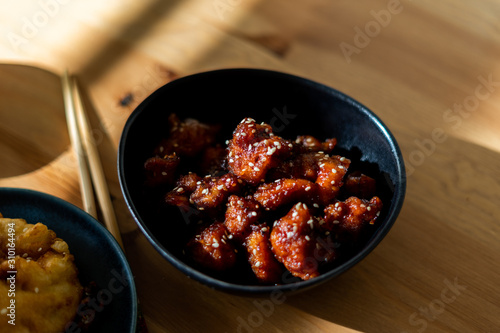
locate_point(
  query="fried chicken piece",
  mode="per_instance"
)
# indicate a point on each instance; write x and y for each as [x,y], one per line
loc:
[349,218]
[296,242]
[284,191]
[308,143]
[260,256]
[213,191]
[360,185]
[241,213]
[330,176]
[179,195]
[186,138]
[254,149]
[212,249]
[48,291]
[161,170]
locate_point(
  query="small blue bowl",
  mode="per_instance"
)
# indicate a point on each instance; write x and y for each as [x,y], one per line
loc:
[292,106]
[98,256]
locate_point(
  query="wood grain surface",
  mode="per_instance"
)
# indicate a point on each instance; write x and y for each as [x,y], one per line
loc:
[430,70]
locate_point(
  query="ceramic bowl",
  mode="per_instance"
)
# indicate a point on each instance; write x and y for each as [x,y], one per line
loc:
[98,256]
[292,106]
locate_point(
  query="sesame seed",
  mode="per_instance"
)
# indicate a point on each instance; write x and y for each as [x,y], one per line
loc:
[180,189]
[198,183]
[332,182]
[249,147]
[24,255]
[378,213]
[256,143]
[257,264]
[238,218]
[295,214]
[336,222]
[253,213]
[341,167]
[39,249]
[162,149]
[322,165]
[216,245]
[37,290]
[256,169]
[368,208]
[264,229]
[191,201]
[220,187]
[251,164]
[164,173]
[315,205]
[337,204]
[327,233]
[334,171]
[307,238]
[235,251]
[278,187]
[290,145]
[231,160]
[230,237]
[342,159]
[362,206]
[254,251]
[205,191]
[227,142]
[289,234]
[307,188]
[201,208]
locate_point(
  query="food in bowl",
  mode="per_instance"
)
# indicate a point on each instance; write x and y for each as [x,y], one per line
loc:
[38,279]
[262,202]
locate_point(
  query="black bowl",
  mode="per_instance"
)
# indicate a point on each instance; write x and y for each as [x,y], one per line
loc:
[98,256]
[292,106]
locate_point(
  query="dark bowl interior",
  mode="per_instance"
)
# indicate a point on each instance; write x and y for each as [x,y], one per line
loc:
[292,106]
[98,256]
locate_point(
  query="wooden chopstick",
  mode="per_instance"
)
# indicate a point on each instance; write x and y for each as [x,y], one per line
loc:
[79,124]
[76,143]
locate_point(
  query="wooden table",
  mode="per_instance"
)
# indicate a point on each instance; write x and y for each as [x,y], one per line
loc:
[430,70]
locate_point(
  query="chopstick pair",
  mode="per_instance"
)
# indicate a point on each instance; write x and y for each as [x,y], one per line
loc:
[89,163]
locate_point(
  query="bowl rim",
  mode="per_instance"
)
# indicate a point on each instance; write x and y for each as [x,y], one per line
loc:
[67,207]
[390,219]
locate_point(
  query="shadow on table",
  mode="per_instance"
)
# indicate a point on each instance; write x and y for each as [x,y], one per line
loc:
[33,129]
